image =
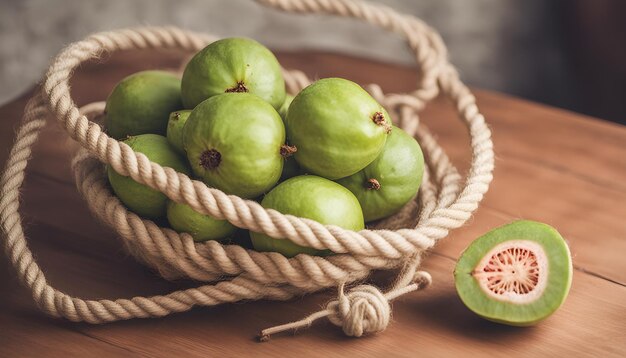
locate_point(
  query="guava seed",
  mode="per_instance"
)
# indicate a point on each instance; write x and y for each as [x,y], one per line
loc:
[517,274]
[239,87]
[210,159]
[287,150]
[513,269]
[372,184]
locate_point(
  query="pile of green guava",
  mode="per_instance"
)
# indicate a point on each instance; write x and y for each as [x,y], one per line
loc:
[330,153]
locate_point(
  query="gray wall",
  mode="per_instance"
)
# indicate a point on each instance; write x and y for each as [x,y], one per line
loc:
[503,45]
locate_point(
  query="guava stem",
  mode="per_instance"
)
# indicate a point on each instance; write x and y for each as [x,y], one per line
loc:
[287,150]
[379,119]
[239,87]
[210,159]
[176,116]
[372,184]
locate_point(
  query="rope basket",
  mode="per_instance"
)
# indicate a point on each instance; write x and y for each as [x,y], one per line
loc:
[232,273]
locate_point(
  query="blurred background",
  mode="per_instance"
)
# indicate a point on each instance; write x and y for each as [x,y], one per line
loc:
[565,53]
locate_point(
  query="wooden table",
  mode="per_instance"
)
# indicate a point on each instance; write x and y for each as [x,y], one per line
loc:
[552,165]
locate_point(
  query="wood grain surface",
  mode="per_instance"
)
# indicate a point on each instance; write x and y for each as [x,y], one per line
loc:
[552,165]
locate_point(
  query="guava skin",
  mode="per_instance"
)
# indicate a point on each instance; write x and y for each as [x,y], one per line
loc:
[183,218]
[141,104]
[311,197]
[175,127]
[337,127]
[285,107]
[391,180]
[233,65]
[233,143]
[140,198]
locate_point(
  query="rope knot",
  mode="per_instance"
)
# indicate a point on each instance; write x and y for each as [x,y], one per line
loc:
[363,310]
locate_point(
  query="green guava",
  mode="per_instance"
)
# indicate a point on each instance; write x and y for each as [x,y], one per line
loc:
[183,218]
[141,104]
[234,142]
[175,127]
[337,127]
[311,197]
[517,274]
[285,107]
[233,65]
[140,198]
[391,180]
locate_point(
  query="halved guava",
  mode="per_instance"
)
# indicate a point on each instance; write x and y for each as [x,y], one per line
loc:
[517,274]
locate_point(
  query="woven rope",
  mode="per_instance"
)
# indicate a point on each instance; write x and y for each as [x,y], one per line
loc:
[445,202]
